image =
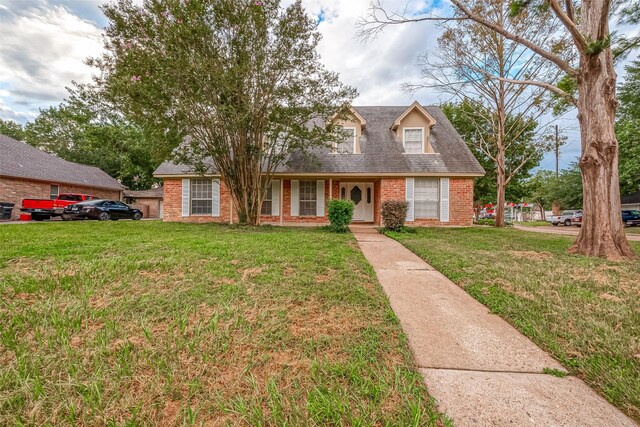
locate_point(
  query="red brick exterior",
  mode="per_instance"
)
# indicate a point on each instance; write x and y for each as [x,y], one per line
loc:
[150,206]
[461,201]
[13,190]
[460,196]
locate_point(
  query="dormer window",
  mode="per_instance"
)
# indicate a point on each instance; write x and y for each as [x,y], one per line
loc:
[413,140]
[348,145]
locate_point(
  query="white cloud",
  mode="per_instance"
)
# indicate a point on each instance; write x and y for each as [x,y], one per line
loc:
[378,68]
[42,50]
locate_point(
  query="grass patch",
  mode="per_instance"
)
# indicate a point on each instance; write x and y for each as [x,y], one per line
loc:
[583,310]
[148,323]
[533,223]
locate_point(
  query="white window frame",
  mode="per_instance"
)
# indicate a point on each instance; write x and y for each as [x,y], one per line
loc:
[355,140]
[269,199]
[437,201]
[315,193]
[51,195]
[191,198]
[404,138]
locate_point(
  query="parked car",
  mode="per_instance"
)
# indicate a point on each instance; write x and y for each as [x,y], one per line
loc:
[46,208]
[576,219]
[487,214]
[566,218]
[102,210]
[631,217]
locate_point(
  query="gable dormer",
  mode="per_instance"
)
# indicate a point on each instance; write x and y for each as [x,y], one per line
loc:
[413,128]
[353,124]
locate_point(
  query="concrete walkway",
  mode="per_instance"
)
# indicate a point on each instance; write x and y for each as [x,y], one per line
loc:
[567,231]
[481,371]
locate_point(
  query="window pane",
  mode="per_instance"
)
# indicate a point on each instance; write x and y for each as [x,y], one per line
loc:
[55,190]
[426,198]
[266,207]
[266,201]
[201,197]
[413,141]
[348,145]
[308,196]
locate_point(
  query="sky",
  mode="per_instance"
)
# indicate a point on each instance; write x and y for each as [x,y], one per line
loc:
[44,43]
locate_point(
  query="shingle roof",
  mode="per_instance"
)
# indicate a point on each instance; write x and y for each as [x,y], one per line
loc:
[631,198]
[154,193]
[21,160]
[381,151]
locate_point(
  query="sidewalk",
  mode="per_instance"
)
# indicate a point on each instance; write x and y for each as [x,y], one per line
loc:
[567,231]
[481,370]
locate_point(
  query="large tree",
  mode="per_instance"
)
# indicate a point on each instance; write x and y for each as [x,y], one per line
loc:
[565,190]
[504,113]
[86,129]
[628,130]
[12,129]
[522,151]
[239,80]
[593,77]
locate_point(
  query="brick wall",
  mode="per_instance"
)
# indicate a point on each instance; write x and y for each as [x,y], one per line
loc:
[461,202]
[173,204]
[150,206]
[14,190]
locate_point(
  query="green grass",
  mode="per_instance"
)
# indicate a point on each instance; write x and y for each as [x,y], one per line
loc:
[146,323]
[585,311]
[632,230]
[533,223]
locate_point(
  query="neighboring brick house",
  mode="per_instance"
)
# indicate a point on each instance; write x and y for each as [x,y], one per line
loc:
[396,153]
[27,172]
[150,202]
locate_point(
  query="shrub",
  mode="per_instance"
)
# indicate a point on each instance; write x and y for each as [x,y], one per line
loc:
[340,214]
[394,212]
[487,221]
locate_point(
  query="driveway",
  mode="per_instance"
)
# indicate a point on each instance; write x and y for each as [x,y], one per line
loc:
[480,370]
[567,231]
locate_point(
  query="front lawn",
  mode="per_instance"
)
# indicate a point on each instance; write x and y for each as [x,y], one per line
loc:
[585,311]
[146,323]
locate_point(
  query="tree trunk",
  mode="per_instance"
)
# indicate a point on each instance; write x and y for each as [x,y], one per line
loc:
[500,202]
[602,232]
[501,184]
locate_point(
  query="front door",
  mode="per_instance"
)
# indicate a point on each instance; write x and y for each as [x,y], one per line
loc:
[355,193]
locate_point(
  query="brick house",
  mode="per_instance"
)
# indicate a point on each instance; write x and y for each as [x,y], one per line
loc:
[395,153]
[27,172]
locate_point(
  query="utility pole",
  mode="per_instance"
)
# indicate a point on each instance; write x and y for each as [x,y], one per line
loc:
[557,150]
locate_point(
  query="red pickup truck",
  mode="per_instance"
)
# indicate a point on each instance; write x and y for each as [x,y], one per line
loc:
[46,208]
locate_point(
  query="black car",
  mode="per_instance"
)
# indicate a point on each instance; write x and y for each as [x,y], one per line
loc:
[102,210]
[631,217]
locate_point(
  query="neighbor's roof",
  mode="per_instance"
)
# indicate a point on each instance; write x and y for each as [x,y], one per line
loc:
[381,151]
[21,160]
[630,198]
[154,193]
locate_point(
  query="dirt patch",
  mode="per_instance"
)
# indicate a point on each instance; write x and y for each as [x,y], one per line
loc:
[250,273]
[311,320]
[609,297]
[508,286]
[327,276]
[531,255]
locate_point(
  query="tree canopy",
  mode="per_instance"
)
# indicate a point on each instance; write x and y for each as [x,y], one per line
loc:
[520,159]
[239,81]
[628,129]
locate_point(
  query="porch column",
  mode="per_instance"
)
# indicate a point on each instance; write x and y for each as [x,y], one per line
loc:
[281,202]
[330,189]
